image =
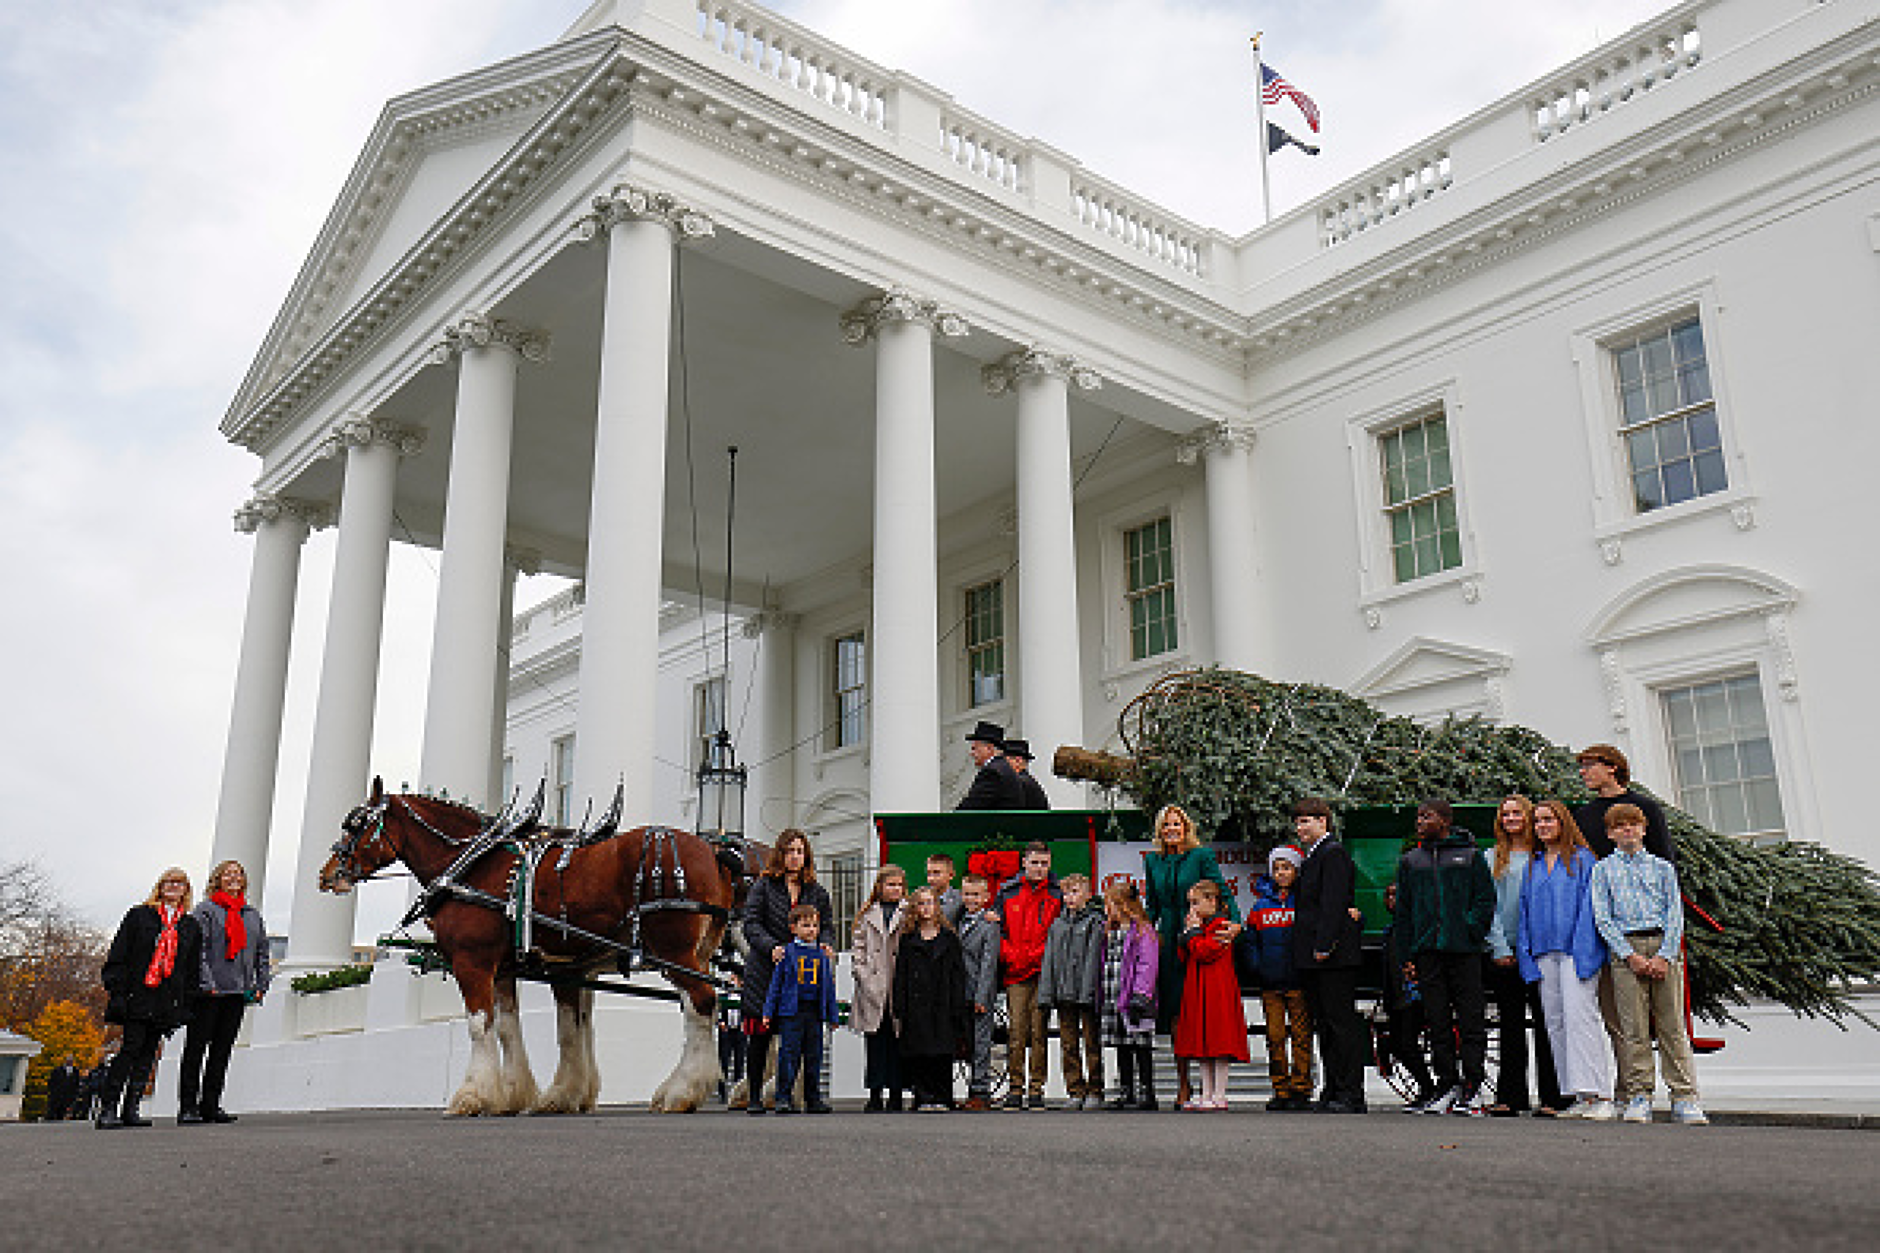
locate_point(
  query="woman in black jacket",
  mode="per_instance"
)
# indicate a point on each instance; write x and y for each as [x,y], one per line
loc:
[149,975]
[789,880]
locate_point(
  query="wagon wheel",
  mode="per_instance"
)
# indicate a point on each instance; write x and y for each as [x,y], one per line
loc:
[1001,1035]
[1397,1075]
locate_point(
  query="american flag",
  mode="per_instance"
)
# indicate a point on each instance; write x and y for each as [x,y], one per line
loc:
[1273,86]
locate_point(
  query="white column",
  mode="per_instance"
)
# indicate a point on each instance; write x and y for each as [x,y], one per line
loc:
[770,804]
[244,814]
[320,928]
[1234,585]
[1050,674]
[614,728]
[515,561]
[465,640]
[904,688]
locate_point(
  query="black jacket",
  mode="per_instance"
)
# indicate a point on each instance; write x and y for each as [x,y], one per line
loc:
[1033,792]
[996,786]
[767,926]
[929,1000]
[1591,818]
[1445,898]
[1327,883]
[167,1004]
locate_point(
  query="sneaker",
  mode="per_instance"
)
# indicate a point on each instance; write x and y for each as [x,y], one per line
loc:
[1443,1103]
[1690,1113]
[1421,1101]
[784,1107]
[1638,1109]
[1015,1101]
[1469,1105]
[1601,1111]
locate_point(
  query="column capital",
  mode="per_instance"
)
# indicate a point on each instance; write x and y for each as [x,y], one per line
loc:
[771,622]
[1213,439]
[479,330]
[1009,371]
[897,304]
[627,203]
[264,507]
[361,431]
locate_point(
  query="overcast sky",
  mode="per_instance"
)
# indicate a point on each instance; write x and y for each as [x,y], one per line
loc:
[165,164]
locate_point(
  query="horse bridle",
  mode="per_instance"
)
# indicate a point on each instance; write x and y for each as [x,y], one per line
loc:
[364,827]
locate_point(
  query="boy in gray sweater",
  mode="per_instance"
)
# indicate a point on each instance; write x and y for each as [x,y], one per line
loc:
[1070,979]
[979,946]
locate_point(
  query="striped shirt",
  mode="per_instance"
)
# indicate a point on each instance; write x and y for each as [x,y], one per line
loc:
[1637,892]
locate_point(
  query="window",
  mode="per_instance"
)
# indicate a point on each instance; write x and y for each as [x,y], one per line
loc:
[1420,498]
[985,643]
[561,755]
[1149,589]
[1668,416]
[509,780]
[708,715]
[841,874]
[850,667]
[1721,755]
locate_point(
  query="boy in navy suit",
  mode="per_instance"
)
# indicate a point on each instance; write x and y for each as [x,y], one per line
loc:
[802,998]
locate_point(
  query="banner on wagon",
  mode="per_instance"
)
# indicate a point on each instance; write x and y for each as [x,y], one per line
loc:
[1240,866]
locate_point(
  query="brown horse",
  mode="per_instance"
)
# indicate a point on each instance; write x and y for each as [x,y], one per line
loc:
[599,888]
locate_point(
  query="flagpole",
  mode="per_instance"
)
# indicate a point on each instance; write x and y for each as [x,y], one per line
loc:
[1259,108]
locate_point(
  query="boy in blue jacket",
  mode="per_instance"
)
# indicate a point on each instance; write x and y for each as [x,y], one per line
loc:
[802,998]
[1270,922]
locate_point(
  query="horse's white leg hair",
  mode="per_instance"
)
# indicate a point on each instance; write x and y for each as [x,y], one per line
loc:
[482,1090]
[518,1079]
[566,1092]
[697,1074]
[590,1065]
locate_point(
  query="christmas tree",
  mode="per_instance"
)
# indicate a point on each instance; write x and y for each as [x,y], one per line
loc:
[1799,923]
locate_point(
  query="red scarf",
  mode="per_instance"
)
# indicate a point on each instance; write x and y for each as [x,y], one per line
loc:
[163,961]
[233,927]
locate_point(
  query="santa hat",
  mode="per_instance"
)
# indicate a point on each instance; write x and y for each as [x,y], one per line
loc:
[1285,852]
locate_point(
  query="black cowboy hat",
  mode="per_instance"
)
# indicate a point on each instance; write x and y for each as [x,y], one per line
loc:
[990,732]
[1019,748]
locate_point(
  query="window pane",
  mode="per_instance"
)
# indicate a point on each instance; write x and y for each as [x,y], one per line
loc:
[1642,446]
[1703,425]
[1631,368]
[1632,408]
[1438,437]
[1680,479]
[1731,810]
[1661,392]
[1710,473]
[1657,352]
[1446,512]
[1693,383]
[1765,806]
[1451,545]
[1647,491]
[1758,758]
[1674,440]
[1687,342]
[1417,478]
[1400,529]
[1406,563]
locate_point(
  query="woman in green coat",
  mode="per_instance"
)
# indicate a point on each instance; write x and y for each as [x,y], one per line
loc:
[1178,863]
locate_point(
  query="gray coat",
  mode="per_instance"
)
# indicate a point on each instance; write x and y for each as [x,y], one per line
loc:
[248,970]
[979,944]
[1072,973]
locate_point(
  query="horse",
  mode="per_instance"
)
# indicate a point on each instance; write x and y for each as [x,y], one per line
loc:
[670,885]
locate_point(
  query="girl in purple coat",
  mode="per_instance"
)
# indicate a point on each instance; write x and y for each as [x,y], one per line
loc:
[1131,954]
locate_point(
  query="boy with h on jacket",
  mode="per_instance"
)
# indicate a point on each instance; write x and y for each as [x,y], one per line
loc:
[1270,923]
[979,949]
[802,997]
[1070,979]
[1445,906]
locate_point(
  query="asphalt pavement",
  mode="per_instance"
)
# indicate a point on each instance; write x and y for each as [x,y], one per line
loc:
[625,1178]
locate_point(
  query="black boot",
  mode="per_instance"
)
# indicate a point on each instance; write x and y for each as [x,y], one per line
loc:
[188,1115]
[109,1098]
[1145,1062]
[133,1097]
[1126,1076]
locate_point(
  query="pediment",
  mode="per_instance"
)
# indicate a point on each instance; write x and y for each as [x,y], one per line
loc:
[428,151]
[1688,597]
[1423,662]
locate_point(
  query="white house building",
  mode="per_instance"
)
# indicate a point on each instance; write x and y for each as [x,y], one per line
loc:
[1560,416]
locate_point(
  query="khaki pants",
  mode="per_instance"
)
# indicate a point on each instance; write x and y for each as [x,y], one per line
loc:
[1026,1035]
[1286,1022]
[1080,1050]
[1653,1006]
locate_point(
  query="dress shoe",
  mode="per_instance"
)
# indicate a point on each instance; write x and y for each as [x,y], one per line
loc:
[217,1115]
[190,1116]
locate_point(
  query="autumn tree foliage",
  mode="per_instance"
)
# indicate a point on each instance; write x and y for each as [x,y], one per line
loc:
[64,1029]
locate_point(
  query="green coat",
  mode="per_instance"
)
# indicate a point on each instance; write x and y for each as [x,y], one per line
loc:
[1445,898]
[1169,876]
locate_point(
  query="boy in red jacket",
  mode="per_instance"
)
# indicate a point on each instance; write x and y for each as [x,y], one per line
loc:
[1025,909]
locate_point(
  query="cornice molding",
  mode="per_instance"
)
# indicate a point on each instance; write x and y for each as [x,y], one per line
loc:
[897,304]
[1014,368]
[265,507]
[479,330]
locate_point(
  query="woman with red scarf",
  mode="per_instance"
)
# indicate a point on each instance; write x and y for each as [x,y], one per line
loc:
[150,974]
[234,976]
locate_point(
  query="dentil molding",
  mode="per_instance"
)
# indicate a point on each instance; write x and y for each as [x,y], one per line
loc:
[897,304]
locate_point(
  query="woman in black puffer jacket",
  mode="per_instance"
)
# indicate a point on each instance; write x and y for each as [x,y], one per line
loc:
[789,880]
[150,975]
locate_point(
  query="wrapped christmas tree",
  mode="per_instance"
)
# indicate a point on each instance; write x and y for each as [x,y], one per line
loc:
[1799,924]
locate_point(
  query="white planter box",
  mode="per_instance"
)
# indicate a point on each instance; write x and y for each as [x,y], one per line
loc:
[332,1012]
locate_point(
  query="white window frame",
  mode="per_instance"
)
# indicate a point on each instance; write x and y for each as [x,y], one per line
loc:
[1364,438]
[1119,668]
[1663,688]
[702,733]
[1615,511]
[832,741]
[1005,642]
[561,768]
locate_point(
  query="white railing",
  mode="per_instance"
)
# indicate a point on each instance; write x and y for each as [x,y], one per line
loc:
[1382,195]
[1614,76]
[796,59]
[1108,209]
[981,148]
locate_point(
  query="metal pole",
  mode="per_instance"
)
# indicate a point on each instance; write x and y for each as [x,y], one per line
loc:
[1259,107]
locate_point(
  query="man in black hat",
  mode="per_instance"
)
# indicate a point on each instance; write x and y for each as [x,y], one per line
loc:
[996,786]
[1018,752]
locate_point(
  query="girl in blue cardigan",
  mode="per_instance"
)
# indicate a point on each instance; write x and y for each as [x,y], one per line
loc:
[1558,946]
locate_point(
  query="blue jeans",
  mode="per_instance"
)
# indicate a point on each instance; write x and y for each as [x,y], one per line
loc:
[802,1044]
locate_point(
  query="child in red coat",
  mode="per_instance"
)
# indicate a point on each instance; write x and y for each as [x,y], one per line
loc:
[1211,1026]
